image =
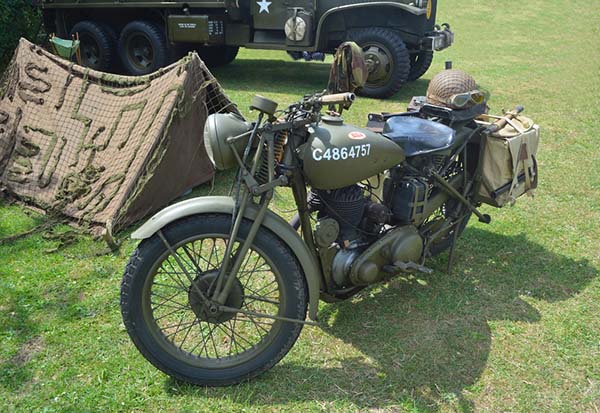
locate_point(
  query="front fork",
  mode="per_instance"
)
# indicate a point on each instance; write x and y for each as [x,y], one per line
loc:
[250,189]
[247,189]
[224,287]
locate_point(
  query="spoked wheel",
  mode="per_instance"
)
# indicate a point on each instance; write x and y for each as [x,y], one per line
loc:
[452,209]
[192,339]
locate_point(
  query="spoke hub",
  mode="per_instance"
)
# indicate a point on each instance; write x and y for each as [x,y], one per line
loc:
[209,311]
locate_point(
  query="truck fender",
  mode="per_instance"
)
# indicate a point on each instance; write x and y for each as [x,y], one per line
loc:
[360,4]
[273,222]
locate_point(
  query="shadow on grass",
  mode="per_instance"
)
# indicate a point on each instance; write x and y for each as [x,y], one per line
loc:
[423,345]
[25,298]
[295,78]
[16,322]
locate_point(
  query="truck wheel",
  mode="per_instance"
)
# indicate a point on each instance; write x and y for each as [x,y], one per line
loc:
[216,56]
[419,64]
[143,48]
[387,59]
[98,46]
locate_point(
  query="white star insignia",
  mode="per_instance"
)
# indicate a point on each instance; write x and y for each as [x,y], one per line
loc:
[264,5]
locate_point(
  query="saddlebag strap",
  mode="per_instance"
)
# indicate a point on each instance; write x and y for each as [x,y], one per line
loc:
[521,160]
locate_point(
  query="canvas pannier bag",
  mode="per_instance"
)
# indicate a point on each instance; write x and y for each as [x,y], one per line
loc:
[508,161]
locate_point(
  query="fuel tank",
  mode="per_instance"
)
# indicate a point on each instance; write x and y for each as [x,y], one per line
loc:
[337,155]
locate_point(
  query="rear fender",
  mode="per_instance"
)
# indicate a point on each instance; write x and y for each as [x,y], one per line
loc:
[273,222]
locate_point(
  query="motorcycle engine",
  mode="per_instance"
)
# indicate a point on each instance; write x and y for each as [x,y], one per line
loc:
[347,222]
[346,206]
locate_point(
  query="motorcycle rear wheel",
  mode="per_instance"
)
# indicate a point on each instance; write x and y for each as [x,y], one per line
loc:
[444,242]
[168,322]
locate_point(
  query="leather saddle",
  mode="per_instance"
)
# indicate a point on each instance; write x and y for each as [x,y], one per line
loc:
[419,136]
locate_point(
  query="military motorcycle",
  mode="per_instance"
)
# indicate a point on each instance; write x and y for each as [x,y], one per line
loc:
[218,290]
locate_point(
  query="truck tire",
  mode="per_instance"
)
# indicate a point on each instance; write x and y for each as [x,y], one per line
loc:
[419,64]
[143,48]
[98,45]
[387,59]
[216,56]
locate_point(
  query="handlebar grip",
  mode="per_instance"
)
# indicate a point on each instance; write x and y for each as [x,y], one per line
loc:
[337,98]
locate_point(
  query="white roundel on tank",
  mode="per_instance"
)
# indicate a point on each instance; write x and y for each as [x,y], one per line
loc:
[357,135]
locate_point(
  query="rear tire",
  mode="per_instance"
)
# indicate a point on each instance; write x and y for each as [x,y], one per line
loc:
[180,353]
[419,64]
[387,59]
[143,48]
[445,242]
[215,56]
[98,45]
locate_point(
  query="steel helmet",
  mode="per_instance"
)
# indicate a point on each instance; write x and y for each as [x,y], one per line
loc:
[454,89]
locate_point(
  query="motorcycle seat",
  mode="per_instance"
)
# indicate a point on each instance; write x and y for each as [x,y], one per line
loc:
[419,136]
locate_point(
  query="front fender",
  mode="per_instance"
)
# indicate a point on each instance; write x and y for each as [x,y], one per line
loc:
[366,4]
[273,222]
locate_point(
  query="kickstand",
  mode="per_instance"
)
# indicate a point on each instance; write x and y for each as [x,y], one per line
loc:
[452,248]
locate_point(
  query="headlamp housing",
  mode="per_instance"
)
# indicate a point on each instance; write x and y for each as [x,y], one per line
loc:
[219,127]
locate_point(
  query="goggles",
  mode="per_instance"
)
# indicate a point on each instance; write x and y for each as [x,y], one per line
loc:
[460,100]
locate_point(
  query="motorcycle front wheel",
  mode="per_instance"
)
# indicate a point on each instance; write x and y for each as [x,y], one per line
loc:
[169,323]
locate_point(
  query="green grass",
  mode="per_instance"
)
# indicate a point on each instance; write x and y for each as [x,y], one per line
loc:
[515,327]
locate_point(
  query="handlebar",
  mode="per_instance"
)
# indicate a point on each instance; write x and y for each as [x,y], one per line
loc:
[500,123]
[337,98]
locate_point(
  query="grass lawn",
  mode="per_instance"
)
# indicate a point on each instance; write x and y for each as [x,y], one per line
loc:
[515,327]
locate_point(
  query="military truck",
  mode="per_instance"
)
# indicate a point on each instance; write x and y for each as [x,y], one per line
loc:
[139,36]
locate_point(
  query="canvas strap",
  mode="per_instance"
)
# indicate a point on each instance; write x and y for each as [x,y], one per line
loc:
[523,159]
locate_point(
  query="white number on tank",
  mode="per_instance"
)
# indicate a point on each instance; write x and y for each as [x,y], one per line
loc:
[336,154]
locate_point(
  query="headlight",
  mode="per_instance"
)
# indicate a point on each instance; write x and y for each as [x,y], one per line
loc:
[218,128]
[295,29]
[421,3]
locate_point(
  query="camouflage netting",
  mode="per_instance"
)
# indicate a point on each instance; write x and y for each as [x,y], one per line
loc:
[100,148]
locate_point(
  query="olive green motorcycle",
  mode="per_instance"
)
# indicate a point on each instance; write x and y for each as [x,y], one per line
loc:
[218,290]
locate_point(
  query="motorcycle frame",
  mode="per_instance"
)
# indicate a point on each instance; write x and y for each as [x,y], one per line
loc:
[248,189]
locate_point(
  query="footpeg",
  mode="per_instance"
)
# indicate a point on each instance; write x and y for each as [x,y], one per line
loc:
[406,267]
[485,218]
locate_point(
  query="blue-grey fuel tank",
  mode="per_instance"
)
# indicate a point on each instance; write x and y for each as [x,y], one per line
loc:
[338,155]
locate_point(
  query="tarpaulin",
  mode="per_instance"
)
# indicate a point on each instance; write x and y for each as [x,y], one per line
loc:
[102,148]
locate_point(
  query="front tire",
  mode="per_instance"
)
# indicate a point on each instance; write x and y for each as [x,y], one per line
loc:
[387,58]
[177,337]
[143,48]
